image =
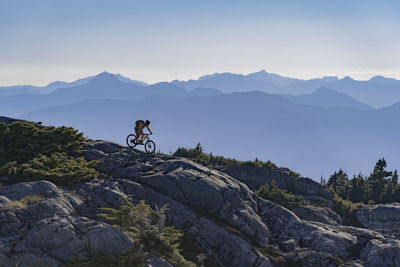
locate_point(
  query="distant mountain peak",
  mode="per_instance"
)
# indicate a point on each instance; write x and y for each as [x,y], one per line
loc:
[105,77]
[347,78]
[104,74]
[263,71]
[383,80]
[377,77]
[57,84]
[262,74]
[326,97]
[222,75]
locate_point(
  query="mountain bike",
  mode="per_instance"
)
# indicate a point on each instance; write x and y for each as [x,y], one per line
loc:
[149,145]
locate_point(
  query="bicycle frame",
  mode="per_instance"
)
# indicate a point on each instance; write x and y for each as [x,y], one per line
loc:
[145,138]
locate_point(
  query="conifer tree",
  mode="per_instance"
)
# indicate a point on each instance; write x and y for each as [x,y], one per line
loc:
[395,178]
[358,189]
[338,182]
[377,181]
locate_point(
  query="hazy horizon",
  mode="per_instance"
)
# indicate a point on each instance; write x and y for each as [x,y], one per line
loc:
[194,77]
[152,41]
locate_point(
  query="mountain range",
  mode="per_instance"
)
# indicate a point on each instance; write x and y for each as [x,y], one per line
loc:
[324,97]
[377,92]
[315,132]
[30,89]
[313,140]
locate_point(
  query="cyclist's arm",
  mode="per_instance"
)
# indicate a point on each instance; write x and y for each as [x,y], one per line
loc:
[149,129]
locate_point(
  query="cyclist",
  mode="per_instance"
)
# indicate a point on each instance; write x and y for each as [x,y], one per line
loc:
[139,126]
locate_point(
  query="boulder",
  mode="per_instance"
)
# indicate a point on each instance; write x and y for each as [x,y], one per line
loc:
[48,231]
[381,252]
[254,177]
[318,214]
[380,216]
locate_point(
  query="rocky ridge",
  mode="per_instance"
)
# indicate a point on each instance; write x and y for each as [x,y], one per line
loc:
[222,215]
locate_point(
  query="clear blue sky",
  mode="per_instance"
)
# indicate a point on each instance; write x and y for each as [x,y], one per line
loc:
[47,40]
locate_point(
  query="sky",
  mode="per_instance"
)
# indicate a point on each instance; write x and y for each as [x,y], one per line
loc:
[46,40]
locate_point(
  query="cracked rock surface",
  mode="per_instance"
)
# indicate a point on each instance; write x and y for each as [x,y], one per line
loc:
[220,213]
[49,231]
[380,216]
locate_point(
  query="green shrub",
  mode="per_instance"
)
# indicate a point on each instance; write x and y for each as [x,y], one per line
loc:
[208,159]
[147,228]
[32,153]
[280,196]
[345,209]
[22,141]
[58,168]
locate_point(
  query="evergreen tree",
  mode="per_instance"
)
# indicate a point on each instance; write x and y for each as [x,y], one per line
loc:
[395,178]
[338,182]
[388,193]
[358,189]
[377,181]
[396,194]
[390,189]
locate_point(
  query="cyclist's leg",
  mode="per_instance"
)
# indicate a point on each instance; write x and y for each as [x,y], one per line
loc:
[137,132]
[141,136]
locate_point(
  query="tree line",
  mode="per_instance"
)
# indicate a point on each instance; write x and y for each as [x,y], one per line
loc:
[381,186]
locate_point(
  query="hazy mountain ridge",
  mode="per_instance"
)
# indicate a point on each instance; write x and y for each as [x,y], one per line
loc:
[102,86]
[334,136]
[313,140]
[19,89]
[324,97]
[377,92]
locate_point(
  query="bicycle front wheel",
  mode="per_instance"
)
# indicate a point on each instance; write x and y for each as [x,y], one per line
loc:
[130,140]
[150,146]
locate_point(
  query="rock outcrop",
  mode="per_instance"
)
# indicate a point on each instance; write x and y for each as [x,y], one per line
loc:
[230,205]
[48,231]
[220,213]
[318,214]
[380,216]
[254,177]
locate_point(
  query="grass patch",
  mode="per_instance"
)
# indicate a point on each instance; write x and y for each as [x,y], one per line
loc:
[22,203]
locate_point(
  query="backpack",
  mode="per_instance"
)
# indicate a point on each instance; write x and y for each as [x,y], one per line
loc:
[139,122]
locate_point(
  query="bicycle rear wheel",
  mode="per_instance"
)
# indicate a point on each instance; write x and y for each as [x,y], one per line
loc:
[130,140]
[150,146]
